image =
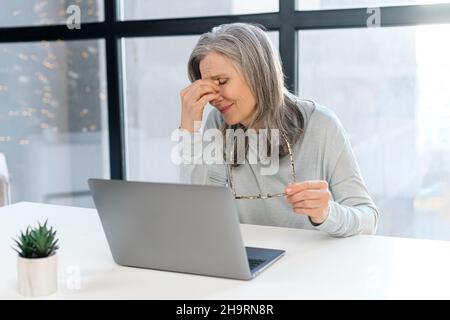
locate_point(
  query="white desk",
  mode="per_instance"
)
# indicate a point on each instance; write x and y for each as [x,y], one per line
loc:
[315,266]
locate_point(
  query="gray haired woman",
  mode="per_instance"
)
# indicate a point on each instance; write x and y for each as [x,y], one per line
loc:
[318,184]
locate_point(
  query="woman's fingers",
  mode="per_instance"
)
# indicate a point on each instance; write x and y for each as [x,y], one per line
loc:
[193,100]
[306,194]
[309,204]
[306,185]
[212,83]
[308,212]
[311,198]
[197,92]
[189,93]
[208,97]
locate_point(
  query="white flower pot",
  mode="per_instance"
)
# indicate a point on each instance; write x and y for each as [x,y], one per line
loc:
[37,277]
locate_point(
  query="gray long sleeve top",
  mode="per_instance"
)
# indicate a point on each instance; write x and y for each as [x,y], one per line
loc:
[322,153]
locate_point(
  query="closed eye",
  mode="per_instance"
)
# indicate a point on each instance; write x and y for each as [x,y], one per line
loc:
[223,82]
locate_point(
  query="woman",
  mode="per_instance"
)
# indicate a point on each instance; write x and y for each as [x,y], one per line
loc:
[318,185]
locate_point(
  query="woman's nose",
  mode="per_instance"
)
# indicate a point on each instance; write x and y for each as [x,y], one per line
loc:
[216,101]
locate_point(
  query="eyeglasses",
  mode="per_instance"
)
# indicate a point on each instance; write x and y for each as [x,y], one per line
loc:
[261,196]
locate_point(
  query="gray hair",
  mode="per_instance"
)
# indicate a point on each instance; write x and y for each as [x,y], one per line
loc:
[250,48]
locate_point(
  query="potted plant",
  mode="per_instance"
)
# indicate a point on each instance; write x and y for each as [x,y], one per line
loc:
[37,261]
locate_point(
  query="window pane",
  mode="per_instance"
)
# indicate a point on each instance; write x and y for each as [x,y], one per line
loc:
[154,81]
[53,119]
[389,87]
[342,4]
[45,12]
[155,9]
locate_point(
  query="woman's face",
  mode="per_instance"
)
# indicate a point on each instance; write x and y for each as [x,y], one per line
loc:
[236,103]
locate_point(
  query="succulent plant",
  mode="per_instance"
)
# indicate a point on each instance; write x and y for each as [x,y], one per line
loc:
[39,242]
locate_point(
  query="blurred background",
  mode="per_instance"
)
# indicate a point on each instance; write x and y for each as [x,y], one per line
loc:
[102,101]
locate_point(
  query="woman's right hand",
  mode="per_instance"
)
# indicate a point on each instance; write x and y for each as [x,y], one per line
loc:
[194,99]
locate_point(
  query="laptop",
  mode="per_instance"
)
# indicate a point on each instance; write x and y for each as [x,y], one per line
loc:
[177,227]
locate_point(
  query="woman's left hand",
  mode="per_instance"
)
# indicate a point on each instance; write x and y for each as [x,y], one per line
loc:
[311,198]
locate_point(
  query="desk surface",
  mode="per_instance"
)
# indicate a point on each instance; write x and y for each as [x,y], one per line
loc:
[315,266]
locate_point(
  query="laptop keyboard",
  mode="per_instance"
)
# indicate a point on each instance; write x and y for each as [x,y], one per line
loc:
[254,263]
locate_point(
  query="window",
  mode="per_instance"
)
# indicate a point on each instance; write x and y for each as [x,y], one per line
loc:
[44,12]
[341,4]
[53,119]
[389,88]
[154,9]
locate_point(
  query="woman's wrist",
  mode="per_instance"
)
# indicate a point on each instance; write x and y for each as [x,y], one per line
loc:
[191,126]
[317,222]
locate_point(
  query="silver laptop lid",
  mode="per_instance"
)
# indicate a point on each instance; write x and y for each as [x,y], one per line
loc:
[174,227]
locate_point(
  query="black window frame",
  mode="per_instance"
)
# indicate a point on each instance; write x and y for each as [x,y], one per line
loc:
[287,21]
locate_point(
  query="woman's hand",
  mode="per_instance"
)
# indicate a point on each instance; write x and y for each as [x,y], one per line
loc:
[193,100]
[311,198]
